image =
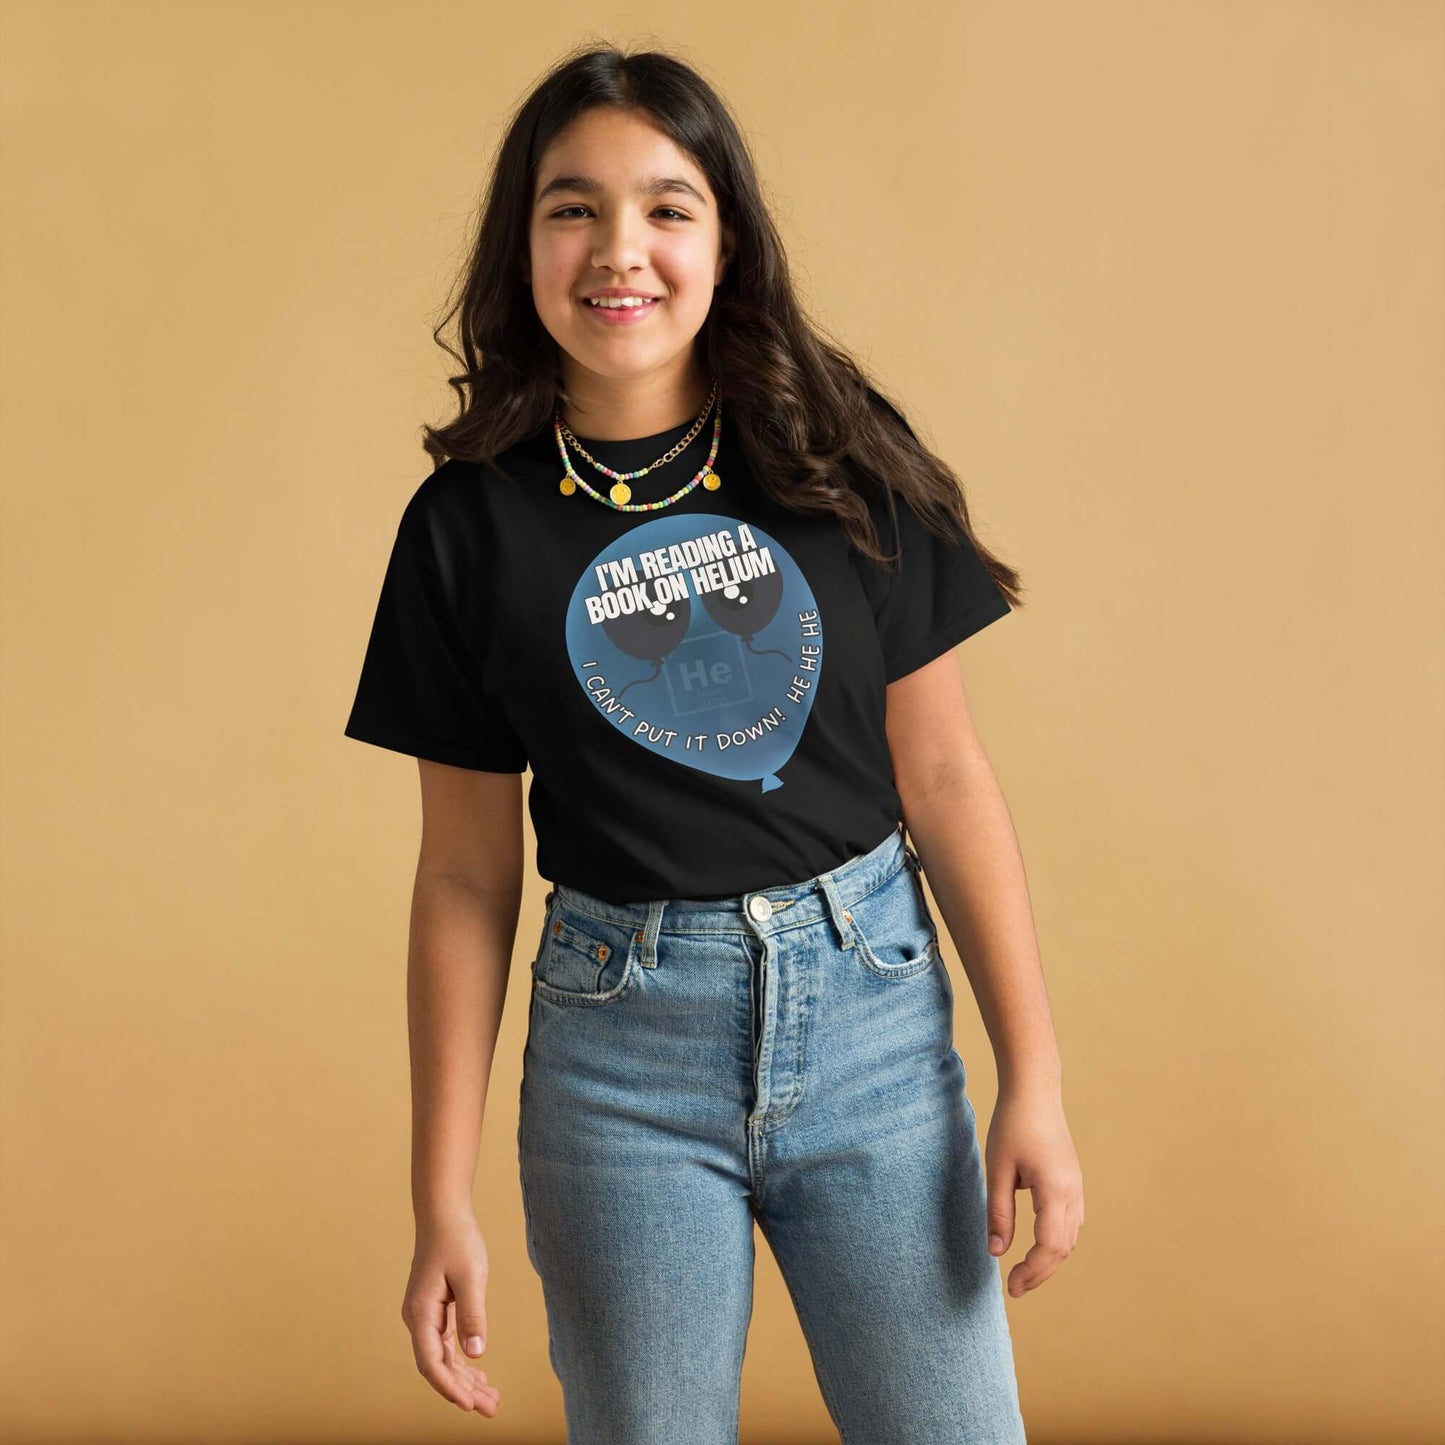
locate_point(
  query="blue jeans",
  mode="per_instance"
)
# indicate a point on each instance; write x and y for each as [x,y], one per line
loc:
[784,1057]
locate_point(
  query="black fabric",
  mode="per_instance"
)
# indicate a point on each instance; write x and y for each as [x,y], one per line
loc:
[699,691]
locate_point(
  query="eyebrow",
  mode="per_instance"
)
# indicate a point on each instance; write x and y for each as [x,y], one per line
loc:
[651,186]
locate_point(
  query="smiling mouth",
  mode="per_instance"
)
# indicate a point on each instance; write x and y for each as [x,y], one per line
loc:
[621,315]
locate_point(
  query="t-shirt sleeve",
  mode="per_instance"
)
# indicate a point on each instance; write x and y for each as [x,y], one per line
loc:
[940,594]
[422,688]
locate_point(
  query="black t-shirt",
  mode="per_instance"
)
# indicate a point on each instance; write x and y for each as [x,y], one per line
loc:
[699,691]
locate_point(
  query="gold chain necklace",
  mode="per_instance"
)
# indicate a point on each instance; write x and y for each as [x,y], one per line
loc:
[620,492]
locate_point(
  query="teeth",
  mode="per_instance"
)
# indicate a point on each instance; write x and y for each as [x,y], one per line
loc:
[613,302]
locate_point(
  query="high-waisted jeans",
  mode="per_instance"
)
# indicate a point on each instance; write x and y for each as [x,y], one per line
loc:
[784,1057]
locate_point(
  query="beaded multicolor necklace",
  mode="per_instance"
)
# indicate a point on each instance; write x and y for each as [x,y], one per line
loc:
[619,492]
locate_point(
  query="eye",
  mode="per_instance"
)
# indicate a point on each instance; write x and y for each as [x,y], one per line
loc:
[673,212]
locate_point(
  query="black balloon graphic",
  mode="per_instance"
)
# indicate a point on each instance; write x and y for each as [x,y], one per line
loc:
[745,608]
[654,631]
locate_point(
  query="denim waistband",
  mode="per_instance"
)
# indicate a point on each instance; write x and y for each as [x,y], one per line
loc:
[762,911]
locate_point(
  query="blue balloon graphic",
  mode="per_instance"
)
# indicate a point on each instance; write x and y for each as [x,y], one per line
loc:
[698,636]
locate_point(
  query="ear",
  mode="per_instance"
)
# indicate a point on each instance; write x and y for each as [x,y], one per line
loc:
[729,248]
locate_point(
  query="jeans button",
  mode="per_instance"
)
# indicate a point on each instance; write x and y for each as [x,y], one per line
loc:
[761,909]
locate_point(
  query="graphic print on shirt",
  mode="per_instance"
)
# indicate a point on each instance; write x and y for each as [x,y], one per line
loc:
[698,636]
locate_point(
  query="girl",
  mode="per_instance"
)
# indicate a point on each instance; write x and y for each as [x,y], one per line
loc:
[648,566]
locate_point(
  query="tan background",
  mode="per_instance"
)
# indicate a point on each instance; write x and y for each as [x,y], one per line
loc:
[1164,282]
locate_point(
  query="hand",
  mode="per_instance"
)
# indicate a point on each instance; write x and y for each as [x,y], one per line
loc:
[1029,1148]
[445,1303]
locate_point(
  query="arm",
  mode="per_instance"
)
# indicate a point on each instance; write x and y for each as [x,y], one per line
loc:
[960,825]
[962,831]
[465,903]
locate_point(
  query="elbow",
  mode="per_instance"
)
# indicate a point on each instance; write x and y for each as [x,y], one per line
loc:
[924,782]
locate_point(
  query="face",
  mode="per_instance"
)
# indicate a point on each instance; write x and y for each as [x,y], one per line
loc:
[617,204]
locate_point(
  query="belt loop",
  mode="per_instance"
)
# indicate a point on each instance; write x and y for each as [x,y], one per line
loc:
[842,919]
[647,934]
[914,861]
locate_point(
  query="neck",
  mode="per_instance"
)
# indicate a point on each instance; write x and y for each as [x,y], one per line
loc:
[608,410]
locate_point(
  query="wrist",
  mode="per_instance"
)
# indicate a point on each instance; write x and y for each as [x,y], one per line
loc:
[444,1211]
[1038,1077]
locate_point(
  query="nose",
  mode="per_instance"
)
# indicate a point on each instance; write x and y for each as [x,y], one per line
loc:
[621,245]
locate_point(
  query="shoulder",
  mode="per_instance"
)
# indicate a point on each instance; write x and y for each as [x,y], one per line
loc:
[879,402]
[446,524]
[442,492]
[454,506]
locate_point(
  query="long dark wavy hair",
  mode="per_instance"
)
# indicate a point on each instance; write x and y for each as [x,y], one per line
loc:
[818,434]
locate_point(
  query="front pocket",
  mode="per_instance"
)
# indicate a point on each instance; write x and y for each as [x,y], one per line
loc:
[893,931]
[583,960]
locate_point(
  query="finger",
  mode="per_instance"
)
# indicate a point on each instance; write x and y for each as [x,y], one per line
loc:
[485,1397]
[1055,1232]
[484,1393]
[471,1314]
[438,1364]
[1002,1182]
[428,1344]
[1033,1269]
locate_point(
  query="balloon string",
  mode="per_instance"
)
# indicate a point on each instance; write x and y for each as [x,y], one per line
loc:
[656,673]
